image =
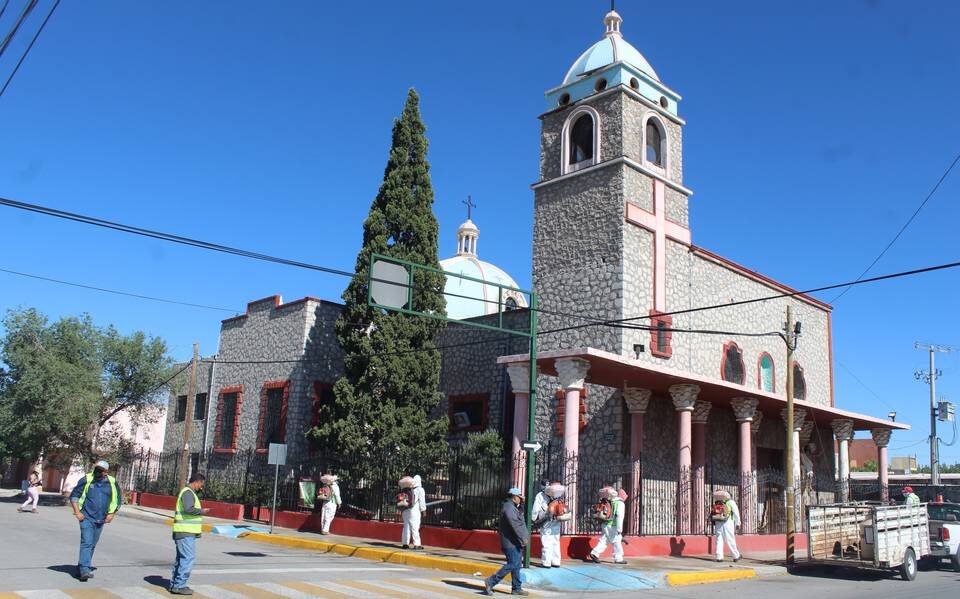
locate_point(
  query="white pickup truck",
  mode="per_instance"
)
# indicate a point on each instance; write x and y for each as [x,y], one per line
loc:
[944,534]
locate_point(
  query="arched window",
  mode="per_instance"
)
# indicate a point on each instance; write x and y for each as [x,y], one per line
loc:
[510,304]
[581,139]
[765,375]
[732,367]
[653,151]
[799,383]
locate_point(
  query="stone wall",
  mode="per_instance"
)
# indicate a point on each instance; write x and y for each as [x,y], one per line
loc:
[201,427]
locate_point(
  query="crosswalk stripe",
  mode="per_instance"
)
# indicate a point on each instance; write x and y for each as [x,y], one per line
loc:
[350,589]
[89,593]
[282,590]
[215,592]
[151,592]
[390,590]
[477,583]
[312,590]
[44,594]
[5,595]
[250,591]
[448,590]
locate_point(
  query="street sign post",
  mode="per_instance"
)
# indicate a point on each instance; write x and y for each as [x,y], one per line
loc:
[276,457]
[390,286]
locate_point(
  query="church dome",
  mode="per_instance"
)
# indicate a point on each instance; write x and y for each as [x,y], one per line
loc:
[609,50]
[468,298]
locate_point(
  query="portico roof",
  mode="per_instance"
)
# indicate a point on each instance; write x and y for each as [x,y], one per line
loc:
[613,370]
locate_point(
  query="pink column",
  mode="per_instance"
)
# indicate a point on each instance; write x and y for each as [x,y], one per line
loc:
[637,401]
[572,373]
[520,383]
[843,431]
[684,396]
[881,437]
[745,410]
[698,502]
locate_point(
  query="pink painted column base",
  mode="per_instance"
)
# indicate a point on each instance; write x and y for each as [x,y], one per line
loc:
[697,479]
[746,484]
[571,446]
[882,467]
[684,418]
[521,409]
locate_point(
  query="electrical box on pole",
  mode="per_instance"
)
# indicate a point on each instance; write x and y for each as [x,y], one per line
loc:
[945,412]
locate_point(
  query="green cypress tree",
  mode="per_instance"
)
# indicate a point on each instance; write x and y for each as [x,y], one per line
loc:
[383,404]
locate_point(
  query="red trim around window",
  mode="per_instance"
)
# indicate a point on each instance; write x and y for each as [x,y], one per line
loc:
[285,385]
[773,372]
[453,400]
[238,389]
[655,320]
[723,363]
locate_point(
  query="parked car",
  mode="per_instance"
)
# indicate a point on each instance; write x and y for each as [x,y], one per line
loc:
[944,534]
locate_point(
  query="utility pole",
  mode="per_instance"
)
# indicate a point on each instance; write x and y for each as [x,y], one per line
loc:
[791,332]
[930,377]
[188,418]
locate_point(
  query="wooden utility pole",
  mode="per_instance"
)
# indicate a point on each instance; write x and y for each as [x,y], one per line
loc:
[788,471]
[188,418]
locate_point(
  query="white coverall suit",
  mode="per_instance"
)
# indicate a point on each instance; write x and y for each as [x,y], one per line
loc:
[411,515]
[725,531]
[329,509]
[549,532]
[612,533]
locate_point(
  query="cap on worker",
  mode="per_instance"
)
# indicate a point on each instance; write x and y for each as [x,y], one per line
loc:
[102,464]
[514,492]
[908,489]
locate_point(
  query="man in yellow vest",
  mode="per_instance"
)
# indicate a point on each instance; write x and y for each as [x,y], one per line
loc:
[187,526]
[95,499]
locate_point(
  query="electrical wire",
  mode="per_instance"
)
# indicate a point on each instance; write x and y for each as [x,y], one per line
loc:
[27,51]
[904,227]
[864,385]
[16,26]
[116,292]
[3,8]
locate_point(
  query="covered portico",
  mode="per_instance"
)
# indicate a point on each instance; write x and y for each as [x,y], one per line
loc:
[692,398]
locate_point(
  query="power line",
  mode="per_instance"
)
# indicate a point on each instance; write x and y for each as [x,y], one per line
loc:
[27,51]
[3,8]
[864,385]
[16,26]
[904,227]
[116,292]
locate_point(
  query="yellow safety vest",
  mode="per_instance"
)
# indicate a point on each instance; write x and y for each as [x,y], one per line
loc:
[114,500]
[186,522]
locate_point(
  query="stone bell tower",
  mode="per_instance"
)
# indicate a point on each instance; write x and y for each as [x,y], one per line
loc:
[610,208]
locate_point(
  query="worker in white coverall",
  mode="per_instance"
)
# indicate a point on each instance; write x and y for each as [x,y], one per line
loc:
[549,529]
[724,531]
[412,515]
[329,509]
[612,532]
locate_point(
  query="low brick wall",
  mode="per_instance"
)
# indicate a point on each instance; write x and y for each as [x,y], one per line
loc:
[218,509]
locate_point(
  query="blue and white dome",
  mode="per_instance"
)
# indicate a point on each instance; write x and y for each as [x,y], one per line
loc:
[609,50]
[469,298]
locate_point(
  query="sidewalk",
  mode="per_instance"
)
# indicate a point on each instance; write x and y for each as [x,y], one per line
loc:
[637,574]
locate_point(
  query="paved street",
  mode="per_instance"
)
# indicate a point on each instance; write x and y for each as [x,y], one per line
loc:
[39,552]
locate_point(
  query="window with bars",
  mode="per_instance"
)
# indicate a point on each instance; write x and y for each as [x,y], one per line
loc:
[229,416]
[732,367]
[273,416]
[200,406]
[181,412]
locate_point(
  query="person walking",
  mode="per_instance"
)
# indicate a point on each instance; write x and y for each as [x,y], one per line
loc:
[187,527]
[33,493]
[413,514]
[612,531]
[330,494]
[550,527]
[726,519]
[909,497]
[513,540]
[95,499]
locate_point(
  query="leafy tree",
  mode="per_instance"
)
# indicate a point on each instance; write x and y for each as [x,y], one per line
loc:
[868,466]
[384,402]
[64,382]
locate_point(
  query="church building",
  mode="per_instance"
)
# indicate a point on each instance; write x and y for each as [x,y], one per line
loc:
[632,368]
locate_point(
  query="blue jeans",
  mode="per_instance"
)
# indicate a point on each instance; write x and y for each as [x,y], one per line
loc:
[186,555]
[512,567]
[89,535]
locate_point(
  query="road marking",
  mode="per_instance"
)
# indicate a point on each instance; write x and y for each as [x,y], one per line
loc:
[313,590]
[151,592]
[382,589]
[215,592]
[282,590]
[415,587]
[250,591]
[350,590]
[477,583]
[89,593]
[44,594]
[447,589]
[286,570]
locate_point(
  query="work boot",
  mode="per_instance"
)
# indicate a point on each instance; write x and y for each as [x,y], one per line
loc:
[520,592]
[593,558]
[405,546]
[487,587]
[181,591]
[85,576]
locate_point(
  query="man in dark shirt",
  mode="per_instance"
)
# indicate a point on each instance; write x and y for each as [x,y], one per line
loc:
[95,499]
[513,540]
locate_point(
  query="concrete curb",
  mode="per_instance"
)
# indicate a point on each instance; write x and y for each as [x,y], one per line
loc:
[681,579]
[390,556]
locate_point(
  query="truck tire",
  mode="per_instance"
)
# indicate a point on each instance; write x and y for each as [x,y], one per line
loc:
[908,569]
[955,562]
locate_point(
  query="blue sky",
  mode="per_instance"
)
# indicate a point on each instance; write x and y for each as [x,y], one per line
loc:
[814,130]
